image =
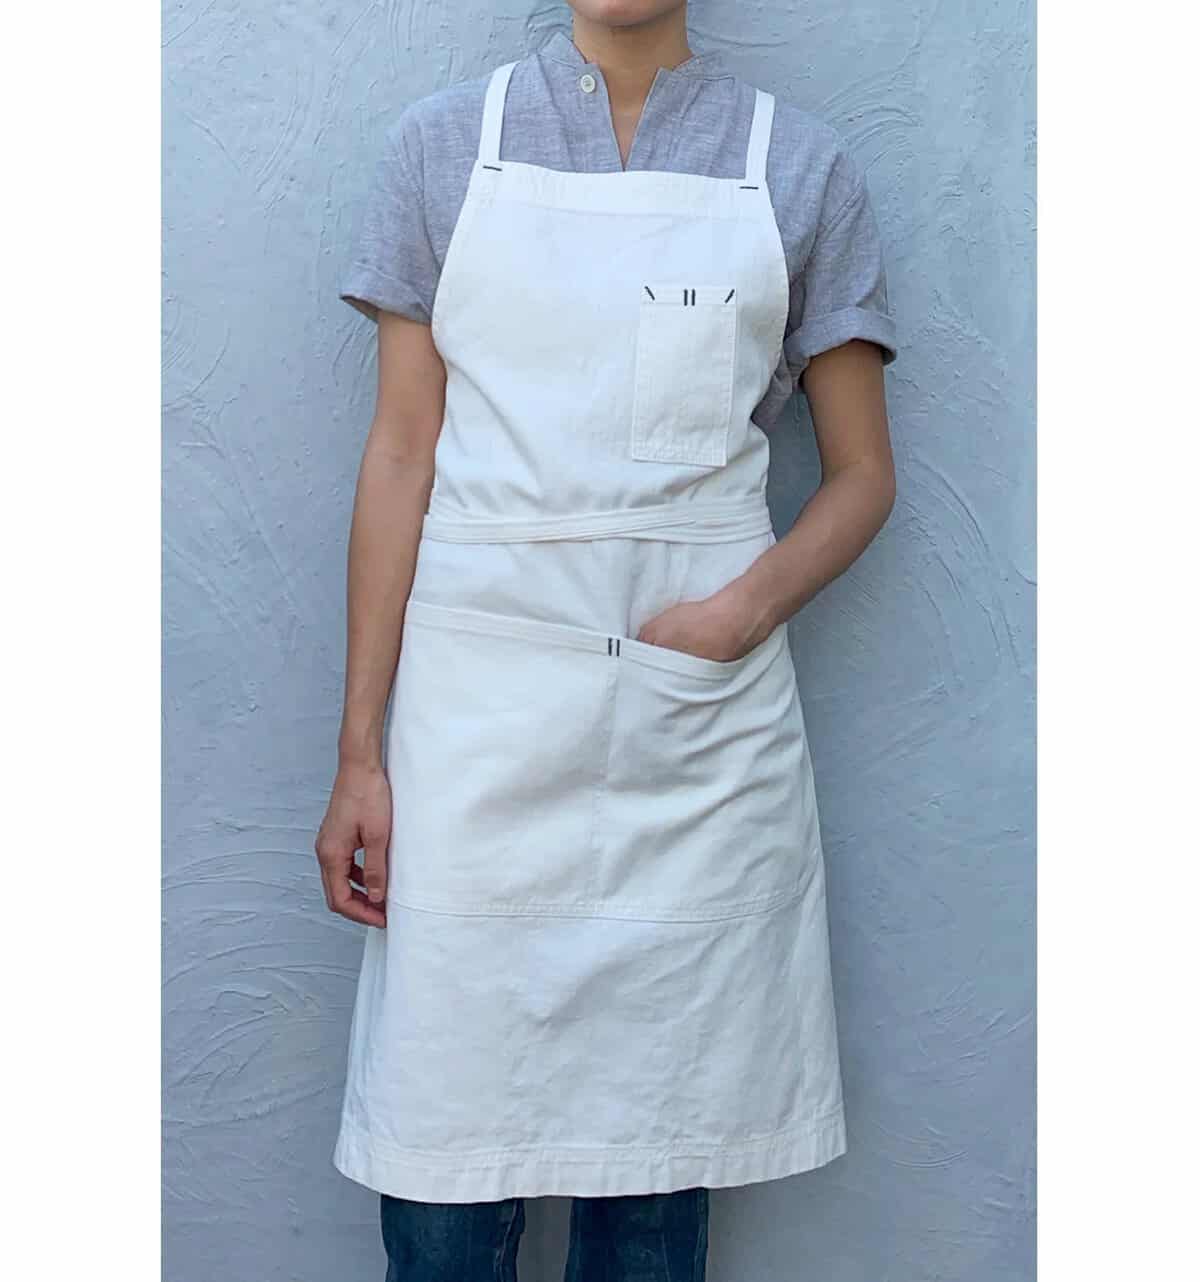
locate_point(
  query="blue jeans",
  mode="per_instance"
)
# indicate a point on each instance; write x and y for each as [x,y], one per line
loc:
[652,1237]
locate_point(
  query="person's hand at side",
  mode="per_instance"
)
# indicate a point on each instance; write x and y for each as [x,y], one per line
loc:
[359,817]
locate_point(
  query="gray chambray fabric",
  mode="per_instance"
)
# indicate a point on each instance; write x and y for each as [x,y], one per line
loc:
[696,119]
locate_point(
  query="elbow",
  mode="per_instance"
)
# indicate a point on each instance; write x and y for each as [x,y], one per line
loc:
[887,491]
[877,486]
[406,447]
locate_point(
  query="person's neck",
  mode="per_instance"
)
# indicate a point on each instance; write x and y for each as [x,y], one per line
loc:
[629,57]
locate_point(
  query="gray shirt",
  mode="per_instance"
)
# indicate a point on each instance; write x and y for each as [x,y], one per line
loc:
[696,119]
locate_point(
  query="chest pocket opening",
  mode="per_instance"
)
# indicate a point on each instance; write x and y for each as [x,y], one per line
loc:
[683,378]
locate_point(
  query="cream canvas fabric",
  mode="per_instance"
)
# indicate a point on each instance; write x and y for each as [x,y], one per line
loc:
[606,964]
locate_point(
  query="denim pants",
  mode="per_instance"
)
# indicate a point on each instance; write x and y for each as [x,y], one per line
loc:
[652,1237]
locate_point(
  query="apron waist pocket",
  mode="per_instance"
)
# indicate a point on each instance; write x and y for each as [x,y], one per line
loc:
[611,645]
[545,768]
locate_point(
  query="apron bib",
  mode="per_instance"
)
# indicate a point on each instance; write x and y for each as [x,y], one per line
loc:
[606,965]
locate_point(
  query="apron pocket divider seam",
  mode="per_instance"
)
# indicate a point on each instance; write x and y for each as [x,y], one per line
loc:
[601,785]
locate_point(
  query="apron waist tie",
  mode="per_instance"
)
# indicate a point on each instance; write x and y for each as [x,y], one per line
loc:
[700,521]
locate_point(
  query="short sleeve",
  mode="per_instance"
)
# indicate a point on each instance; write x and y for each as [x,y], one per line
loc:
[394,266]
[841,292]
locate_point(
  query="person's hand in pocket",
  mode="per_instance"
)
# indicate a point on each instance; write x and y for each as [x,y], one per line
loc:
[724,626]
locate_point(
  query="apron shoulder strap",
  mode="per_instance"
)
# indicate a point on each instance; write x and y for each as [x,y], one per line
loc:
[760,137]
[493,113]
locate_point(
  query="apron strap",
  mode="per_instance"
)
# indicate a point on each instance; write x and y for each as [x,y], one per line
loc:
[760,137]
[493,114]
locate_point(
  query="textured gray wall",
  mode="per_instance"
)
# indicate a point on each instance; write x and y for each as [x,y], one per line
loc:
[916,667]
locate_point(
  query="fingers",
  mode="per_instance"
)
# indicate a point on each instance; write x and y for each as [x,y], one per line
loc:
[374,876]
[353,905]
[692,627]
[649,631]
[676,620]
[348,902]
[336,856]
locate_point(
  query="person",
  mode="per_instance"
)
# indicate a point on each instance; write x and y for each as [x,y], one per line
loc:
[572,750]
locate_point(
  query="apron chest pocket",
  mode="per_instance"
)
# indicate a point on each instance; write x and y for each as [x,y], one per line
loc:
[683,378]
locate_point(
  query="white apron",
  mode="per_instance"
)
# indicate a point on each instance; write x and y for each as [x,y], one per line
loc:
[606,964]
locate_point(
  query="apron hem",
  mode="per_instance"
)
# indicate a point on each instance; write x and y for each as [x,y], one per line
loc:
[426,1176]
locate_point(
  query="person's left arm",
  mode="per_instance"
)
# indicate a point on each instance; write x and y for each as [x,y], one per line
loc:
[841,336]
[845,390]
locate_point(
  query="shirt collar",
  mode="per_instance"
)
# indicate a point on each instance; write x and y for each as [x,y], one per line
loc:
[704,64]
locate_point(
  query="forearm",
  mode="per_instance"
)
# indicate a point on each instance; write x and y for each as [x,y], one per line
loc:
[390,502]
[832,531]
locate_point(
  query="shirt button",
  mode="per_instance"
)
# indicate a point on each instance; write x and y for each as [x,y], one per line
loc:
[587,82]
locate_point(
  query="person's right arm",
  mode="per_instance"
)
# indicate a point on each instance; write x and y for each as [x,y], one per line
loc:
[394,481]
